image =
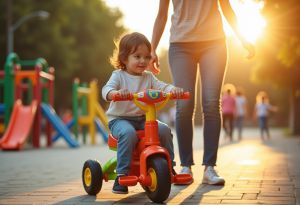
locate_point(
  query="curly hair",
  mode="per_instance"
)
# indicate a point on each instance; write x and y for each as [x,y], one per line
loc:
[127,45]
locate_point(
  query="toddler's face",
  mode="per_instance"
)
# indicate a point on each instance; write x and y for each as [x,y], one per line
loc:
[138,61]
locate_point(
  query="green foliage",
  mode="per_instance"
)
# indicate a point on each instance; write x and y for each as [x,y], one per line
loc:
[76,39]
[279,54]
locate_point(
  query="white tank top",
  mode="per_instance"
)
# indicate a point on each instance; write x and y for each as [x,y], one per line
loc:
[196,20]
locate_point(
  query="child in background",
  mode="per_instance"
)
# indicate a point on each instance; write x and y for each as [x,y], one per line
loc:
[262,109]
[228,111]
[131,58]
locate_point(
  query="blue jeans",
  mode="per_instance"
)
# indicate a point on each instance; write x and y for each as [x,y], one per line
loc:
[184,59]
[124,129]
[263,125]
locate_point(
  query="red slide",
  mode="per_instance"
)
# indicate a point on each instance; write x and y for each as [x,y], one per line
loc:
[19,126]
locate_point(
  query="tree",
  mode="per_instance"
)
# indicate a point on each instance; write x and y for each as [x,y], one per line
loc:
[77,40]
[280,53]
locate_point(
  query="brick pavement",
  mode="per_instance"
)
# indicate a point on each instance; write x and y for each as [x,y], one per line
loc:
[256,173]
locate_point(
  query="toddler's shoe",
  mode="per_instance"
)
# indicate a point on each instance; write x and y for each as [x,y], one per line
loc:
[211,177]
[119,189]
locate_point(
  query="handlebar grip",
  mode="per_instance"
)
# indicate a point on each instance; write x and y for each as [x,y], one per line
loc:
[118,97]
[186,95]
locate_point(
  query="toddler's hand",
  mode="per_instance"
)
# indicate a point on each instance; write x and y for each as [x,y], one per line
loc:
[124,93]
[177,91]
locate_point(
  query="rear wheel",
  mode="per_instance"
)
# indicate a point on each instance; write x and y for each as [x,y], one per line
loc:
[92,177]
[159,172]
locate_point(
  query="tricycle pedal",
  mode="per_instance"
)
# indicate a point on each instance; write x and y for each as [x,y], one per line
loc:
[182,179]
[128,180]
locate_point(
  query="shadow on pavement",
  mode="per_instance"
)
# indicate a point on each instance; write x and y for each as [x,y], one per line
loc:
[178,195]
[197,196]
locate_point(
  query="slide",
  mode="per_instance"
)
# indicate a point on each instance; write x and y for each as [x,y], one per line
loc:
[19,126]
[101,130]
[2,109]
[58,125]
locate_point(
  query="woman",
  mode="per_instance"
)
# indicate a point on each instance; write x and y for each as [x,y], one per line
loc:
[197,38]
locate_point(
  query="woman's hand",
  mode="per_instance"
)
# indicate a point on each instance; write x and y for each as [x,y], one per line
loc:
[250,48]
[154,65]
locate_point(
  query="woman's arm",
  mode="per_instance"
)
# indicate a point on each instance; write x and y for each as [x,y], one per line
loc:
[232,20]
[158,29]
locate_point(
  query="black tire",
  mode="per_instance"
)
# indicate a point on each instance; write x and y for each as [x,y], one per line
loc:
[162,186]
[92,177]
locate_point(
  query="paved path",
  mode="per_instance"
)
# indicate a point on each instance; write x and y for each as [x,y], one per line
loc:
[256,172]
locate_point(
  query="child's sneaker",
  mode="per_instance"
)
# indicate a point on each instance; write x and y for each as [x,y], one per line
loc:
[119,189]
[210,176]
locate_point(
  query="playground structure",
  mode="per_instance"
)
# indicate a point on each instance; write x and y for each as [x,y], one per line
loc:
[2,107]
[29,95]
[87,112]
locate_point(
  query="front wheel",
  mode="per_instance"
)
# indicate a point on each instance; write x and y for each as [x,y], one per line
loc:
[92,177]
[159,172]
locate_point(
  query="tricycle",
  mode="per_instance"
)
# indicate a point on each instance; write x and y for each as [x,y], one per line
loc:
[151,165]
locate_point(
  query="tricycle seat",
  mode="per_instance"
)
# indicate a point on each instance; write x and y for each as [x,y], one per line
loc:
[113,141]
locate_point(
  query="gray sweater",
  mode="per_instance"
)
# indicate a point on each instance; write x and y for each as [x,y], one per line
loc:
[122,80]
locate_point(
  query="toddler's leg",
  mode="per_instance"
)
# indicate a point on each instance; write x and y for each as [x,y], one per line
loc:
[127,139]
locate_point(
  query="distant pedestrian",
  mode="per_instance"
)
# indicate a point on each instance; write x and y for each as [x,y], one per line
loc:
[262,109]
[240,111]
[67,116]
[228,111]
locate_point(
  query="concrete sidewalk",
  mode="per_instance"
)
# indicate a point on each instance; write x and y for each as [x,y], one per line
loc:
[256,172]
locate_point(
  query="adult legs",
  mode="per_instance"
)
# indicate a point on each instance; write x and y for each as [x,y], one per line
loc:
[184,70]
[230,122]
[212,69]
[225,123]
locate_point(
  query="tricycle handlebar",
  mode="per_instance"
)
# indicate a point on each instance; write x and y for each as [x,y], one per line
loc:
[186,95]
[118,97]
[151,96]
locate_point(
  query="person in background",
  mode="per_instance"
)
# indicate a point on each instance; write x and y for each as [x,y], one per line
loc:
[197,45]
[67,116]
[228,112]
[240,111]
[262,110]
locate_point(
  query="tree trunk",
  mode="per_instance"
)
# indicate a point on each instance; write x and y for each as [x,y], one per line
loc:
[294,121]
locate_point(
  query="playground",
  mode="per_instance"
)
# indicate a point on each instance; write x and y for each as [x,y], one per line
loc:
[28,90]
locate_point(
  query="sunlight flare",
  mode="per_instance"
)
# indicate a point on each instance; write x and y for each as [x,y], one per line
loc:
[251,23]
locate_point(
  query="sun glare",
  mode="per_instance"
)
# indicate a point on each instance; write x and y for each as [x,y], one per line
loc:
[250,20]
